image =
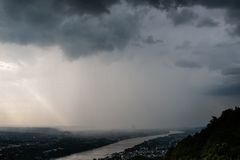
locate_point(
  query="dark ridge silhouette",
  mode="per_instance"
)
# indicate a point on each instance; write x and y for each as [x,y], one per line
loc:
[220,140]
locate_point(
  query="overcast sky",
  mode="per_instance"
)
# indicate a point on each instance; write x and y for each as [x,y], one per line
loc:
[114,64]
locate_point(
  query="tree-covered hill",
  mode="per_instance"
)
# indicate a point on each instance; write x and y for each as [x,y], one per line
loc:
[220,140]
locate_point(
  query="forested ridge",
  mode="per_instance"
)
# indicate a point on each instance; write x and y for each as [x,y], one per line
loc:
[220,140]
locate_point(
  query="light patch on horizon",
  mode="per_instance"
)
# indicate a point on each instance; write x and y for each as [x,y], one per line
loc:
[4,66]
[21,102]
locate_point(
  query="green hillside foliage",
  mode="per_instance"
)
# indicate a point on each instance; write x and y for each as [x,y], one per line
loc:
[220,140]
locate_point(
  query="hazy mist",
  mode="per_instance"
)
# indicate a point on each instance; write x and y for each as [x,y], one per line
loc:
[120,65]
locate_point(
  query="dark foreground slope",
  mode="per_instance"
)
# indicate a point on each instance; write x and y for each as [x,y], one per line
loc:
[220,140]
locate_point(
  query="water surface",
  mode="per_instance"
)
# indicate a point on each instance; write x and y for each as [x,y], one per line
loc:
[107,150]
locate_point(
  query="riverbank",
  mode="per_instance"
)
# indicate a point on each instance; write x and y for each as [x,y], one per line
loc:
[49,143]
[153,149]
[117,147]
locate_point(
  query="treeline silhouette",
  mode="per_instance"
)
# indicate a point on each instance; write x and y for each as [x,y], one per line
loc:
[220,140]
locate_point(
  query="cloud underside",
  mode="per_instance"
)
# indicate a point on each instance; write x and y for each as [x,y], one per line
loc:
[132,61]
[87,26]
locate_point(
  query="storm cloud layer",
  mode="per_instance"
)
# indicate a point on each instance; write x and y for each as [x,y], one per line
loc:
[118,63]
[88,26]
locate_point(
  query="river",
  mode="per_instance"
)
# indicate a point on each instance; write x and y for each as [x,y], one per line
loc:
[107,150]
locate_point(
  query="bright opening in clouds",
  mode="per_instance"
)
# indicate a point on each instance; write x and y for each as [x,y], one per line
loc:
[117,64]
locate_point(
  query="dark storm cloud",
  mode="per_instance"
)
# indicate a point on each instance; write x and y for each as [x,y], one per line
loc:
[207,22]
[218,3]
[182,17]
[226,90]
[150,40]
[79,27]
[76,26]
[230,85]
[233,71]
[175,3]
[12,7]
[233,19]
[99,35]
[187,64]
[82,27]
[232,7]
[184,46]
[161,4]
[217,56]
[188,16]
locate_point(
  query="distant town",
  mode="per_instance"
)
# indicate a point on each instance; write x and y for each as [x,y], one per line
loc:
[48,143]
[149,150]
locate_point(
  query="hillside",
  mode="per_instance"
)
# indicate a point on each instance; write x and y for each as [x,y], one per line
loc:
[220,140]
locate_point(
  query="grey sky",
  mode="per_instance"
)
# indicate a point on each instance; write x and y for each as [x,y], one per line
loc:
[118,64]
